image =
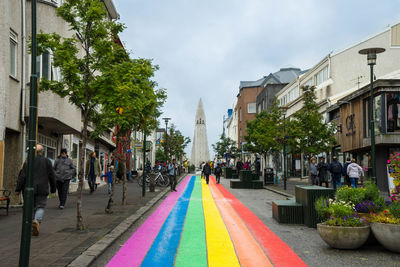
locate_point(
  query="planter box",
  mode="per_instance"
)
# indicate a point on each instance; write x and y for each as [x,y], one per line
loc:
[245,176]
[342,237]
[247,185]
[235,175]
[287,211]
[388,235]
[227,172]
[255,177]
[306,195]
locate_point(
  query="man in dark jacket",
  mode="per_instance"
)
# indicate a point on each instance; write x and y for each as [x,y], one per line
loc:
[346,177]
[336,170]
[322,168]
[65,171]
[218,172]
[207,171]
[43,176]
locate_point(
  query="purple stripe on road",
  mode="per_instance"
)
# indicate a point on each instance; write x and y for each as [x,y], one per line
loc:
[135,249]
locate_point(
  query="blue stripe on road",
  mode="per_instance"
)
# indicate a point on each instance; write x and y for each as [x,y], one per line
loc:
[163,250]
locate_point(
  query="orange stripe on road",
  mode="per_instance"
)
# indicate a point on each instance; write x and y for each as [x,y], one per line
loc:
[247,249]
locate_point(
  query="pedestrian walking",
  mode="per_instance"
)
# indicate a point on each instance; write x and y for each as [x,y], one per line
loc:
[322,168]
[314,172]
[201,168]
[207,172]
[109,175]
[354,171]
[239,166]
[258,167]
[43,176]
[65,170]
[346,176]
[336,170]
[172,174]
[218,172]
[92,171]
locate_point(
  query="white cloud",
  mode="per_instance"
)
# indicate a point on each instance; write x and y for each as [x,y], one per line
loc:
[205,48]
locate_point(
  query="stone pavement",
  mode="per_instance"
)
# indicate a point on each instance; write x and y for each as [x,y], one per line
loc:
[59,243]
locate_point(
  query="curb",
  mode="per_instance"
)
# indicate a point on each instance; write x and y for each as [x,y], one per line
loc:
[278,192]
[94,251]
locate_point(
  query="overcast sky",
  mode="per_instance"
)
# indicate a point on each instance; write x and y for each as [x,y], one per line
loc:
[204,48]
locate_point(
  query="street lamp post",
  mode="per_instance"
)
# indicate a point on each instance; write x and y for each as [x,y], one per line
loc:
[371,58]
[28,192]
[284,151]
[166,136]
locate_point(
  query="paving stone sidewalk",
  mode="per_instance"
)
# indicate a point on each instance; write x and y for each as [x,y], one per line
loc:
[59,243]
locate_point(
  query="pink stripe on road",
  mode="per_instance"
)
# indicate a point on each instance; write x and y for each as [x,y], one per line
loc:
[135,249]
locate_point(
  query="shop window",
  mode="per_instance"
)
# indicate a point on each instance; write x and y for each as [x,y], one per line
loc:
[392,111]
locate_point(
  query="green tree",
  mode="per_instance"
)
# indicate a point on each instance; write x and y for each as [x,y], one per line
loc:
[265,133]
[309,133]
[132,101]
[225,146]
[176,143]
[160,155]
[81,58]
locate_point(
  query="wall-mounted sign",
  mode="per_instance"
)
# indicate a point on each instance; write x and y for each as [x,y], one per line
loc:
[350,125]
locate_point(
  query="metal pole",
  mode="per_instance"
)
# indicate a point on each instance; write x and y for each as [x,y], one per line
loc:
[28,192]
[284,154]
[166,140]
[372,125]
[144,166]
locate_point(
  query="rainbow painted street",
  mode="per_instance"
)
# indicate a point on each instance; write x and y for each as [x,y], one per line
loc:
[204,225]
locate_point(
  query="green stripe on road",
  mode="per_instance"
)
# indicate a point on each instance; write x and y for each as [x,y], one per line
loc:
[192,248]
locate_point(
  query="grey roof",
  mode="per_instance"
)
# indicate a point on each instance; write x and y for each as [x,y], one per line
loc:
[284,75]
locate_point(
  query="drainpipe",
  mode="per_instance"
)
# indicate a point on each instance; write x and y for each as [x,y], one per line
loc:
[23,80]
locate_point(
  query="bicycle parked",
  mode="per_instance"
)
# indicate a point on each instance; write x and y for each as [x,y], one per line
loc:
[160,179]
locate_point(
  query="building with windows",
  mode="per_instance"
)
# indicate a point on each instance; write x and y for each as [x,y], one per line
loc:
[338,75]
[59,122]
[274,82]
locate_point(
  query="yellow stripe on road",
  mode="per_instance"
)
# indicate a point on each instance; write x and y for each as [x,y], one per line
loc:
[220,249]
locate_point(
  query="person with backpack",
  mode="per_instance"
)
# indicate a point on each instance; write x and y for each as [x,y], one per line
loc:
[336,170]
[346,176]
[218,172]
[207,171]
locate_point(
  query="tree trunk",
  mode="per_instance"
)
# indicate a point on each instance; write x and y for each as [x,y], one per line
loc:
[111,198]
[123,161]
[79,218]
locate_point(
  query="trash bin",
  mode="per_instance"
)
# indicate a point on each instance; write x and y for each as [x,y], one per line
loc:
[268,176]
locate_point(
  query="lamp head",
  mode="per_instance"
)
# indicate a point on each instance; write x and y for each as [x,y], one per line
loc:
[371,54]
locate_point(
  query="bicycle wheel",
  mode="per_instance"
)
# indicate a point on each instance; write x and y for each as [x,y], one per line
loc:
[140,180]
[164,181]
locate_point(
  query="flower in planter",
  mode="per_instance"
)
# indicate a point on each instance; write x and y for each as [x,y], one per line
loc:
[368,206]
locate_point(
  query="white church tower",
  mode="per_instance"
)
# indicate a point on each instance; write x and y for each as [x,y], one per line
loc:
[200,145]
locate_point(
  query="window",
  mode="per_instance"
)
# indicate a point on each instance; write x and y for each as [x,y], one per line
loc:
[321,76]
[293,94]
[240,114]
[251,108]
[43,64]
[309,82]
[13,54]
[395,35]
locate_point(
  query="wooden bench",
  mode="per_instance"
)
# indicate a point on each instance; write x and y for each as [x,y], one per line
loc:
[5,196]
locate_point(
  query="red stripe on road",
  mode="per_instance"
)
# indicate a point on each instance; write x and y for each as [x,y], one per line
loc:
[278,251]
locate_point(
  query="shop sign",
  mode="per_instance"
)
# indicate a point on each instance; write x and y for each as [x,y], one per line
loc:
[350,125]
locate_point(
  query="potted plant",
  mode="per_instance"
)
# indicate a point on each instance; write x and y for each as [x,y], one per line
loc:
[386,227]
[343,229]
[394,169]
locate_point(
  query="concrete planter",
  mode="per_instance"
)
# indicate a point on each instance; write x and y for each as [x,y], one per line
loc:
[342,237]
[388,235]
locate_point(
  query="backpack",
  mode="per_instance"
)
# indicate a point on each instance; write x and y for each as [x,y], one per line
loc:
[336,168]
